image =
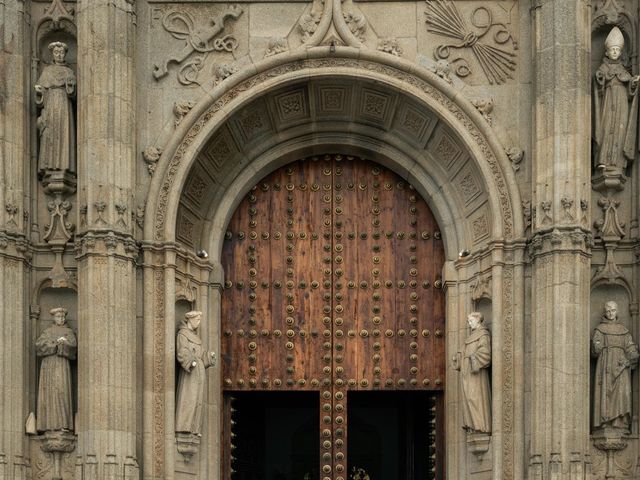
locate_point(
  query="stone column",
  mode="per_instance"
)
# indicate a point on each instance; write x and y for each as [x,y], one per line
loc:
[108,334]
[560,249]
[14,180]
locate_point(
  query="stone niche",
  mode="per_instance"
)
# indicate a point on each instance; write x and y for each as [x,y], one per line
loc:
[43,461]
[612,457]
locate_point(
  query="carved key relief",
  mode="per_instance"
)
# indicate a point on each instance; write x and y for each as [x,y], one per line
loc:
[199,41]
[478,41]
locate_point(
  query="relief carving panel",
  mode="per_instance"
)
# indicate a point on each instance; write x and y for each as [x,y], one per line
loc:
[478,43]
[206,36]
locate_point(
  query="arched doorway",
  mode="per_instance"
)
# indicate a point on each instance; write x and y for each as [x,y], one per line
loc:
[332,322]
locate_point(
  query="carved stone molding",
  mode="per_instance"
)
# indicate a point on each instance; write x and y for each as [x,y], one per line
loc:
[484,37]
[565,238]
[106,244]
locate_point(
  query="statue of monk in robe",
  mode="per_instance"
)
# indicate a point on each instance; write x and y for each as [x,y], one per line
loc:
[54,90]
[615,108]
[193,360]
[56,345]
[472,363]
[617,354]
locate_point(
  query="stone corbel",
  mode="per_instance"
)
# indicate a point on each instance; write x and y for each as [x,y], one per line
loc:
[187,444]
[478,442]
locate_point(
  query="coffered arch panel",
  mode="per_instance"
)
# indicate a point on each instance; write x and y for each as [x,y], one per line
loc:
[441,136]
[354,117]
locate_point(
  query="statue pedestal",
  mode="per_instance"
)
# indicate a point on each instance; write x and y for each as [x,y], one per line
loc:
[608,179]
[59,182]
[58,442]
[188,444]
[610,439]
[478,442]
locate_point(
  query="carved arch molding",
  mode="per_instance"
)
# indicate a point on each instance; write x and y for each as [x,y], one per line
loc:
[415,125]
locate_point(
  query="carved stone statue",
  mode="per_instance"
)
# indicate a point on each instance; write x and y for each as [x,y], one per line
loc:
[472,363]
[617,354]
[616,107]
[193,360]
[57,345]
[54,90]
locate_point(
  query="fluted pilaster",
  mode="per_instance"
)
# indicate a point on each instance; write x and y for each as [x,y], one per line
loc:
[561,241]
[108,343]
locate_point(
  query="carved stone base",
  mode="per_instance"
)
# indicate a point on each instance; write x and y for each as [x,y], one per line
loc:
[58,441]
[478,442]
[59,182]
[608,179]
[610,438]
[188,444]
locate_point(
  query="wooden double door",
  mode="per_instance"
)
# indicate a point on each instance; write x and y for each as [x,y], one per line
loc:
[333,327]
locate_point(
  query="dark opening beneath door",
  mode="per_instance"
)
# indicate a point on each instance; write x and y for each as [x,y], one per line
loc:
[391,435]
[275,435]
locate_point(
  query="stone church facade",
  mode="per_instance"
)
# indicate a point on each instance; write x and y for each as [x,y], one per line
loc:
[243,240]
